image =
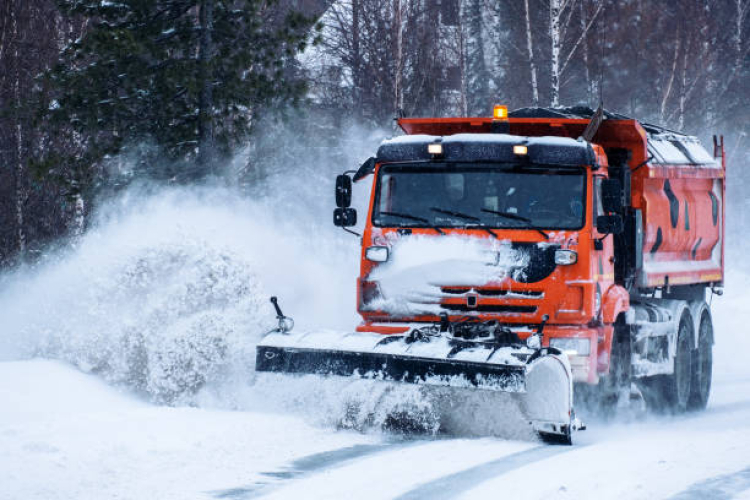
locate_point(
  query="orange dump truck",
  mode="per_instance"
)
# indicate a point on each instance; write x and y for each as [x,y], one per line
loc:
[530,254]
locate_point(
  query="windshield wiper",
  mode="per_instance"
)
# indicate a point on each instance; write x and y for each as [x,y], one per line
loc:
[508,215]
[455,214]
[414,218]
[512,216]
[467,217]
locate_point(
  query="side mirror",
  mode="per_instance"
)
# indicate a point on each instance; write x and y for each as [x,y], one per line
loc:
[343,191]
[609,224]
[611,195]
[344,217]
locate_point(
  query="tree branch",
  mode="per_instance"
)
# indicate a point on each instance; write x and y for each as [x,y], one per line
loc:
[584,32]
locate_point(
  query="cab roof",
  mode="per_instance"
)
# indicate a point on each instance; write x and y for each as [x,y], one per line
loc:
[558,151]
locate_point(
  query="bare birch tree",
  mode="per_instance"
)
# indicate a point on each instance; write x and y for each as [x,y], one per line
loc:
[560,15]
[398,26]
[532,61]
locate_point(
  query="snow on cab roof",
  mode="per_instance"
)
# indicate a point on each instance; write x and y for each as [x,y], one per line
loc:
[484,138]
[549,150]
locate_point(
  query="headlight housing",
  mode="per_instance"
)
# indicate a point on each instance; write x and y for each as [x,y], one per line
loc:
[377,254]
[369,292]
[572,346]
[565,257]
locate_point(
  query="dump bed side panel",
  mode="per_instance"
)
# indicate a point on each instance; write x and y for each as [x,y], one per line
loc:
[682,207]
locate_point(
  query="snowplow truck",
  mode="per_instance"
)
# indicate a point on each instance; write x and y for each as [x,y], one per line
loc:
[529,255]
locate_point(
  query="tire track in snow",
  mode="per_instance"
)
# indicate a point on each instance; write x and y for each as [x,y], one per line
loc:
[452,485]
[313,463]
[721,487]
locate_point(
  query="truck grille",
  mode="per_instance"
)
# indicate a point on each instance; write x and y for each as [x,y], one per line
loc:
[490,308]
[493,292]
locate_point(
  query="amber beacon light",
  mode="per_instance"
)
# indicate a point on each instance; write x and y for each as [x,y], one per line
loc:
[500,112]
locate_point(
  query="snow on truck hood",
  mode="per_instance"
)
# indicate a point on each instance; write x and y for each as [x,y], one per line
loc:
[418,266]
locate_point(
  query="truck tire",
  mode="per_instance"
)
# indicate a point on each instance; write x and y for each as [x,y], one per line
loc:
[702,366]
[671,393]
[618,379]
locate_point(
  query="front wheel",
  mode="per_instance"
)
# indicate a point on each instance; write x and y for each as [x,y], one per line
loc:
[616,383]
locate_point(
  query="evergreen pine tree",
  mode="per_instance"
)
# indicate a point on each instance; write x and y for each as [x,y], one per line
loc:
[184,76]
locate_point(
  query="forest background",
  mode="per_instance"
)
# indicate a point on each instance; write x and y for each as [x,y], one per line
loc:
[96,95]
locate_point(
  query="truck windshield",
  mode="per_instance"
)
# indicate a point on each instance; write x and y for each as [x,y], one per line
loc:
[485,195]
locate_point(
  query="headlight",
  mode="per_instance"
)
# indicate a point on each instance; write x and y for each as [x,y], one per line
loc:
[369,292]
[572,346]
[377,254]
[565,257]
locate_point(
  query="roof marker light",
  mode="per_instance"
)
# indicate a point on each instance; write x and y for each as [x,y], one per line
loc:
[520,149]
[500,112]
[435,149]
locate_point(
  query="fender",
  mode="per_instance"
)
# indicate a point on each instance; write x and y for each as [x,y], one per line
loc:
[616,300]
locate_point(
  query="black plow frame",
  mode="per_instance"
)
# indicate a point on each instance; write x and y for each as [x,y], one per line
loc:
[412,369]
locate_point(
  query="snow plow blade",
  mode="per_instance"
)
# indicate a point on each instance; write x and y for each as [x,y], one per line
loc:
[391,367]
[538,380]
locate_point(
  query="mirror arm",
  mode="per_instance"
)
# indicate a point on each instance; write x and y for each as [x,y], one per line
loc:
[599,242]
[355,233]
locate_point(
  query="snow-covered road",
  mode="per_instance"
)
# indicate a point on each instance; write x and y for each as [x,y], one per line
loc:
[65,434]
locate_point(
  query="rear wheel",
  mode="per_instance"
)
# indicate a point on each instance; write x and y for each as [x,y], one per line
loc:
[702,365]
[672,392]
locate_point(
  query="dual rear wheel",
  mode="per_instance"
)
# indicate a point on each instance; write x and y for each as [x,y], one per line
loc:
[689,386]
[702,365]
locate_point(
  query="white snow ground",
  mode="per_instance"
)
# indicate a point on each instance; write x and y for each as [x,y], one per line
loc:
[66,434]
